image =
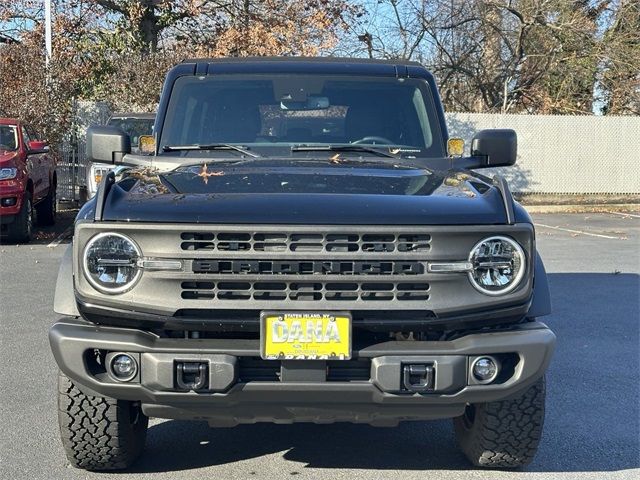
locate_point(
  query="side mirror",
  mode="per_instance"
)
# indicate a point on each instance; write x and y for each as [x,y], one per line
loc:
[37,146]
[107,144]
[495,148]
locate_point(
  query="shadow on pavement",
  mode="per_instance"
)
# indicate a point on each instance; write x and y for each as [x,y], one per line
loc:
[45,235]
[592,421]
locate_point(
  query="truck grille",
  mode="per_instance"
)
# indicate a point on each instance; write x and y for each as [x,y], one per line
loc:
[274,268]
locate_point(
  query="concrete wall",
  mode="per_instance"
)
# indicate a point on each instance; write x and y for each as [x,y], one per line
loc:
[564,154]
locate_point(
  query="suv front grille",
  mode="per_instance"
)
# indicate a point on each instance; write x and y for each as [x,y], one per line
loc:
[335,269]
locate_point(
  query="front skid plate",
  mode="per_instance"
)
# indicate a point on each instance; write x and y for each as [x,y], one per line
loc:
[389,416]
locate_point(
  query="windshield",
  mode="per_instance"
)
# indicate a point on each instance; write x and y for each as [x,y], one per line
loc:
[8,138]
[134,127]
[271,112]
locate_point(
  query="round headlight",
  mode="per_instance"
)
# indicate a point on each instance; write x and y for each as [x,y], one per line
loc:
[111,262]
[498,265]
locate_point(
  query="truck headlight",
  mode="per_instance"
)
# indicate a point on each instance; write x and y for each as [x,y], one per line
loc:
[111,262]
[8,173]
[498,265]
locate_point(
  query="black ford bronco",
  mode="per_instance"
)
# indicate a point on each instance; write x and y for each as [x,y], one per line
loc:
[304,243]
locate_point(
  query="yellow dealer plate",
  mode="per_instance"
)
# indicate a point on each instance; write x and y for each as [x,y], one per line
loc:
[305,336]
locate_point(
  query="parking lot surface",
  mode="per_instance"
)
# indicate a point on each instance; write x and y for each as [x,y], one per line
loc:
[592,426]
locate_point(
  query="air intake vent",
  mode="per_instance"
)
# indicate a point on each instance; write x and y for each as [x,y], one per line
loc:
[255,369]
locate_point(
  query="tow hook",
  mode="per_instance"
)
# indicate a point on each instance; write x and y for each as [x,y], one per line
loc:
[191,375]
[418,378]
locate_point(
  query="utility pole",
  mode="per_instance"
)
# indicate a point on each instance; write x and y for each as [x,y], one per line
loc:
[47,30]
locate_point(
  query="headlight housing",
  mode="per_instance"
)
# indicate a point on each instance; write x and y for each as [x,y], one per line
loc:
[8,173]
[111,262]
[96,172]
[498,265]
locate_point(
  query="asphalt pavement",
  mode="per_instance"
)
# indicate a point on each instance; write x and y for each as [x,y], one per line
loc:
[592,427]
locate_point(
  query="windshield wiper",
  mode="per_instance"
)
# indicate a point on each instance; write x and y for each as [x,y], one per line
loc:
[341,148]
[210,146]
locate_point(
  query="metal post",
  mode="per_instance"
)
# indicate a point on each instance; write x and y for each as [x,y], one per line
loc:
[47,30]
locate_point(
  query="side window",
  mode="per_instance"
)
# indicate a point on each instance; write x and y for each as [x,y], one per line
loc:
[26,138]
[32,133]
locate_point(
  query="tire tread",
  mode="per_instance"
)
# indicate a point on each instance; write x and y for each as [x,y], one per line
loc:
[505,434]
[96,431]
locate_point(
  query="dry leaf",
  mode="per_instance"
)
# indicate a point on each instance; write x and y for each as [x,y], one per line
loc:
[205,173]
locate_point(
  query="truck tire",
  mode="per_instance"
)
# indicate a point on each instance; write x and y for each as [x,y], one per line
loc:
[46,209]
[503,434]
[99,433]
[21,230]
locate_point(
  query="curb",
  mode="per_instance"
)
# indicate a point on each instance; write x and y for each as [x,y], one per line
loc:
[585,208]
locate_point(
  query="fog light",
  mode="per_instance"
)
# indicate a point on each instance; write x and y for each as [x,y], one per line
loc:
[9,201]
[124,367]
[485,369]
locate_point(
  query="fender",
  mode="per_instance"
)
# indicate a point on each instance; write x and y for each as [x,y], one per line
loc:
[64,301]
[541,301]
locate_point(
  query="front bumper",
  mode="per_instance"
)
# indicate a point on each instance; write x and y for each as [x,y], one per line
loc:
[11,189]
[303,392]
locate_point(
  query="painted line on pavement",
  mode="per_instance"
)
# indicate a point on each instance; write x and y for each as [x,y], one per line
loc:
[622,214]
[60,238]
[580,232]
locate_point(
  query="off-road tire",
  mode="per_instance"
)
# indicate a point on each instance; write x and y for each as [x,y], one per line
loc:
[46,209]
[99,433]
[21,229]
[503,434]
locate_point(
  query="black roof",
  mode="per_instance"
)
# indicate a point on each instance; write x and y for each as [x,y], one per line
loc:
[352,60]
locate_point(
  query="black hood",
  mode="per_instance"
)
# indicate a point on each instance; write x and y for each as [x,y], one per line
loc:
[305,192]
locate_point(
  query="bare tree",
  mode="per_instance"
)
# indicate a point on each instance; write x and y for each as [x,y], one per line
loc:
[119,50]
[537,56]
[618,88]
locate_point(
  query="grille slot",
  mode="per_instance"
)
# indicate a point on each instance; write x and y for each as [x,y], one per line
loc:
[349,370]
[414,243]
[255,369]
[305,291]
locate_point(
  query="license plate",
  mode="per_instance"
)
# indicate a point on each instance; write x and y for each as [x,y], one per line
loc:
[305,336]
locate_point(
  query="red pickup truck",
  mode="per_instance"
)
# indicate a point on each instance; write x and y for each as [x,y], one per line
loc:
[27,181]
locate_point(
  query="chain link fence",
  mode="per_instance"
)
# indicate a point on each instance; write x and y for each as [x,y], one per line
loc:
[72,161]
[71,171]
[561,154]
